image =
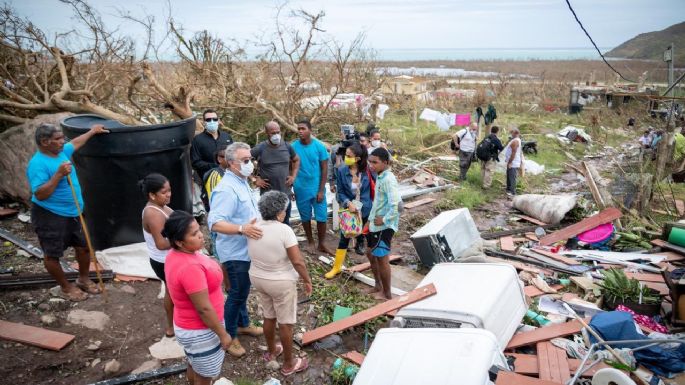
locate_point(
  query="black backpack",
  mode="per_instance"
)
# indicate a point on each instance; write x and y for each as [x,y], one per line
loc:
[485,150]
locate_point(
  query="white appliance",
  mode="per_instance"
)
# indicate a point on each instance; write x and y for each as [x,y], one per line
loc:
[445,237]
[431,356]
[469,295]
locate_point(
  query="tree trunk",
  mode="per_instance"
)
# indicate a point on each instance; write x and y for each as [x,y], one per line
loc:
[17,146]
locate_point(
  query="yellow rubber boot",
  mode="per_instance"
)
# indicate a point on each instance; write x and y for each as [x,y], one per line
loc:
[337,264]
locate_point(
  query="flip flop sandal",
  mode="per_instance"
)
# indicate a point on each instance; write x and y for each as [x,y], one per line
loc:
[90,287]
[268,357]
[74,296]
[300,365]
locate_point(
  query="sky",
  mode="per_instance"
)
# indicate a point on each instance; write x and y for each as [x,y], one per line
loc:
[399,24]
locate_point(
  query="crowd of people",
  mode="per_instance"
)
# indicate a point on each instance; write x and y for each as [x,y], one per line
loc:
[252,243]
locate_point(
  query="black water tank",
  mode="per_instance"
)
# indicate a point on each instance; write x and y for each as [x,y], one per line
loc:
[109,167]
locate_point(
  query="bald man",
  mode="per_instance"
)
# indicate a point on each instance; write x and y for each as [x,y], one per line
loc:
[465,141]
[277,164]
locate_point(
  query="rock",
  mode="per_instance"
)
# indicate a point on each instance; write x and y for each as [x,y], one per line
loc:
[23,253]
[273,365]
[167,349]
[128,289]
[95,362]
[94,346]
[58,304]
[223,381]
[331,342]
[90,319]
[44,307]
[148,366]
[48,319]
[112,367]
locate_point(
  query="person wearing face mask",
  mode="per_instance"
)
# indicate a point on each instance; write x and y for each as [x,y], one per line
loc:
[375,141]
[205,144]
[233,215]
[355,184]
[277,164]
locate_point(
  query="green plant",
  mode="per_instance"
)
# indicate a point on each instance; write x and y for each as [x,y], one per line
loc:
[618,288]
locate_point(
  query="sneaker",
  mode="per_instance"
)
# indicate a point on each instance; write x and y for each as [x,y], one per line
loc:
[253,331]
[236,349]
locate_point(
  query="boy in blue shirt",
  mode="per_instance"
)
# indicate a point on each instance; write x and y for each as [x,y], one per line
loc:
[310,184]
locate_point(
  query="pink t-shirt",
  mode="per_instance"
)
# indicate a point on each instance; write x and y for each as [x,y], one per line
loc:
[188,274]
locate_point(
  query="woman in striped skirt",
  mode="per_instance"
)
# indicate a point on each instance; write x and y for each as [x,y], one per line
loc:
[194,282]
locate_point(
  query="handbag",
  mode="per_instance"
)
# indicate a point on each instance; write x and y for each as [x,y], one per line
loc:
[351,224]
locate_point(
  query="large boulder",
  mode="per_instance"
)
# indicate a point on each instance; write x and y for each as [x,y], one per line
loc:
[17,146]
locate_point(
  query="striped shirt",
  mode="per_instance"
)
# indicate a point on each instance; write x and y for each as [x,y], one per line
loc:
[386,203]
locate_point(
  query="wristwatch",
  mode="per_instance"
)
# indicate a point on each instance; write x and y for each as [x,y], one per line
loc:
[240,230]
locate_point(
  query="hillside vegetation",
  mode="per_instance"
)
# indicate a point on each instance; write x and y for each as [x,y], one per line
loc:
[651,45]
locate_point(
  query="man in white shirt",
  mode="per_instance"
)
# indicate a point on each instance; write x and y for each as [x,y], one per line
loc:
[465,143]
[513,157]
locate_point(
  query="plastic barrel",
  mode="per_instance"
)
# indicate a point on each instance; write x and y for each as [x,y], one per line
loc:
[109,167]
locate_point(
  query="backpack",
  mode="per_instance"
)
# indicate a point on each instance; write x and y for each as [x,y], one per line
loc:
[485,149]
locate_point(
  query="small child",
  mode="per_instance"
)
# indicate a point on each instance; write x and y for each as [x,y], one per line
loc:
[384,220]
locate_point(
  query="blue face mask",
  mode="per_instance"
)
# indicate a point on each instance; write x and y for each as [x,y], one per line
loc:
[212,126]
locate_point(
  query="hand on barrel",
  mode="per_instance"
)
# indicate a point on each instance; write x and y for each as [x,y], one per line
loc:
[99,129]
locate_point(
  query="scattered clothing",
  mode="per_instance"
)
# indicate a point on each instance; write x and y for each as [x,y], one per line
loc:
[643,320]
[490,115]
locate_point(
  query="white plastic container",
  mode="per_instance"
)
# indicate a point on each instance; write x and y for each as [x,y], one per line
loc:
[431,356]
[445,237]
[473,295]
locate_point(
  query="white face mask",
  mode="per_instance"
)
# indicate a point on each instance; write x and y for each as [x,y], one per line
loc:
[376,143]
[246,169]
[275,139]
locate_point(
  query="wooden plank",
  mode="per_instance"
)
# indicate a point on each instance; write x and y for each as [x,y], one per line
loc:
[680,207]
[545,333]
[519,265]
[7,212]
[528,364]
[532,220]
[510,378]
[366,265]
[646,277]
[562,364]
[605,216]
[584,283]
[354,356]
[368,314]
[544,363]
[532,237]
[419,202]
[669,246]
[662,288]
[533,291]
[672,256]
[43,338]
[507,244]
[519,240]
[557,257]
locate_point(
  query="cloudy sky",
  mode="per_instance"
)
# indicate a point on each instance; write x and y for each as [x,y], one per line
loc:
[407,24]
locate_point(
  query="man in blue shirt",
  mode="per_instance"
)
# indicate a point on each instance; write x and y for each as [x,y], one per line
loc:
[54,213]
[233,213]
[310,184]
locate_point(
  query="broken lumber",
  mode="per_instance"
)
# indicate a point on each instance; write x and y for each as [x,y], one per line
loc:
[544,334]
[419,202]
[645,277]
[680,207]
[354,356]
[528,364]
[42,279]
[519,266]
[368,314]
[532,220]
[31,335]
[520,230]
[533,291]
[7,212]
[366,265]
[557,257]
[552,363]
[605,216]
[532,261]
[362,278]
[668,246]
[532,237]
[511,378]
[507,244]
[151,375]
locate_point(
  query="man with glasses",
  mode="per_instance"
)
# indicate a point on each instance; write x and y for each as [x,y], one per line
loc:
[206,143]
[232,216]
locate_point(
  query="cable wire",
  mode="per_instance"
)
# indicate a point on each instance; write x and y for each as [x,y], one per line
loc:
[595,45]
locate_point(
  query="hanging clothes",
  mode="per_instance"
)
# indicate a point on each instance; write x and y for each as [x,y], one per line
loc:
[490,115]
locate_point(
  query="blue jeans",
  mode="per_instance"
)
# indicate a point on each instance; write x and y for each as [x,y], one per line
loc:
[235,307]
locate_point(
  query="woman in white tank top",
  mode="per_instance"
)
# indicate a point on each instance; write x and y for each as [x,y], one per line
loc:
[155,213]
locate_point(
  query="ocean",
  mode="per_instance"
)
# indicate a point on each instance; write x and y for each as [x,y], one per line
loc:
[418,54]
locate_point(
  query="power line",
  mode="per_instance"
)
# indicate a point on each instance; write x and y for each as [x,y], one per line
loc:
[593,43]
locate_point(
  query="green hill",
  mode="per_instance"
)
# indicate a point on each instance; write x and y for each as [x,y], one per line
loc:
[651,45]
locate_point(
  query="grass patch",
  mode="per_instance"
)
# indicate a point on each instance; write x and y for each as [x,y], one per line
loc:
[470,193]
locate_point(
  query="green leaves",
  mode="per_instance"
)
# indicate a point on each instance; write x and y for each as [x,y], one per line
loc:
[618,288]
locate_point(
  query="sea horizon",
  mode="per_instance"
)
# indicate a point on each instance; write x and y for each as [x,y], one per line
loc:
[517,54]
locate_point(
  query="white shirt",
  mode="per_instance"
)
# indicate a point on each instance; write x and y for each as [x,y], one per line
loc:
[516,163]
[468,142]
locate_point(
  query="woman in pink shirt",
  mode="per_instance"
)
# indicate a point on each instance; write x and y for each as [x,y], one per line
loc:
[194,282]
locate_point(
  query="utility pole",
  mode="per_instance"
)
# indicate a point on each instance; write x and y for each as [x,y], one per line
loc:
[668,58]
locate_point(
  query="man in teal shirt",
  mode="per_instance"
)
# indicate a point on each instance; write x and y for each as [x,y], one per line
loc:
[54,213]
[310,184]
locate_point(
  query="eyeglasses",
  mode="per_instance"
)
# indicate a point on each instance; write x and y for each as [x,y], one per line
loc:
[211,119]
[245,161]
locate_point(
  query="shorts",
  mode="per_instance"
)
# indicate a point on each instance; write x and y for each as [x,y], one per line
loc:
[380,242]
[278,299]
[305,207]
[158,268]
[55,232]
[203,350]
